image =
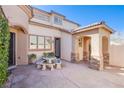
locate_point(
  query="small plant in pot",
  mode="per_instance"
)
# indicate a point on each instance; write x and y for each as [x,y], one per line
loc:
[32,58]
[51,54]
[45,54]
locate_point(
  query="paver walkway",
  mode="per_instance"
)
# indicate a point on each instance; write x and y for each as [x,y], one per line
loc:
[71,76]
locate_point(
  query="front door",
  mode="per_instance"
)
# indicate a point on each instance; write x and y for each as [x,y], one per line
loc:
[12,49]
[58,47]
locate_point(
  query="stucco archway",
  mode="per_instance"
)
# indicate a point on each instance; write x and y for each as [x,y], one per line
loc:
[19,28]
[86,48]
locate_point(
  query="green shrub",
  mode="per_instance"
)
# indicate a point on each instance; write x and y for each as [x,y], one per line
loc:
[4,49]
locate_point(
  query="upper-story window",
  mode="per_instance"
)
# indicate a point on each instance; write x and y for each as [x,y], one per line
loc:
[42,17]
[57,20]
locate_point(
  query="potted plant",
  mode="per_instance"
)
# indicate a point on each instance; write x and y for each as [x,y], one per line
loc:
[51,54]
[45,54]
[32,58]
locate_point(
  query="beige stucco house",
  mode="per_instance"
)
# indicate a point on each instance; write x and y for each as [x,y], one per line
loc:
[31,29]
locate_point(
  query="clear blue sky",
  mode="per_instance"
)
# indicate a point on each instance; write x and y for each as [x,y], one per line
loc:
[84,15]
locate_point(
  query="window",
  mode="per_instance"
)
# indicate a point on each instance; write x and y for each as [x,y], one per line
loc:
[33,42]
[57,20]
[48,42]
[40,42]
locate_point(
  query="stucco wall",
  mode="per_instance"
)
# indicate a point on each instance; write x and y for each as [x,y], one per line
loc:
[21,46]
[66,46]
[107,34]
[18,20]
[16,16]
[117,55]
[94,34]
[66,40]
[76,49]
[38,15]
[80,50]
[69,26]
[39,30]
[43,31]
[65,23]
[41,21]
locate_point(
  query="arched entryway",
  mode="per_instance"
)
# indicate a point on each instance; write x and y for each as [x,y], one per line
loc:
[105,50]
[86,48]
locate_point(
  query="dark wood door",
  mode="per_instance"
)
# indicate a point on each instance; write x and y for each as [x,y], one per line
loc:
[58,47]
[12,50]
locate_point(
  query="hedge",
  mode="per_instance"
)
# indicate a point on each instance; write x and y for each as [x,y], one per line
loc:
[4,49]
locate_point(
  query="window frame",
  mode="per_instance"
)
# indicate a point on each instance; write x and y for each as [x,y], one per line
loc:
[58,22]
[37,49]
[30,42]
[38,42]
[45,41]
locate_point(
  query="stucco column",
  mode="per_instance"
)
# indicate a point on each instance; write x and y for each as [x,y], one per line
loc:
[109,48]
[96,50]
[73,43]
[75,47]
[101,65]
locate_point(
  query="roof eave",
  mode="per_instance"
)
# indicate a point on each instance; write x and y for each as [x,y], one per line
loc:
[109,29]
[93,27]
[27,9]
[49,26]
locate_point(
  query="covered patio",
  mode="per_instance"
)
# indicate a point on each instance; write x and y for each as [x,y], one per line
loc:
[91,44]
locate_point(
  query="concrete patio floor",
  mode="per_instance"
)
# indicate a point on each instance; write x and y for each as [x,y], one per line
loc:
[71,76]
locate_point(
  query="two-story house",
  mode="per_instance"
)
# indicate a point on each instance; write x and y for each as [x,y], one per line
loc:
[37,31]
[54,27]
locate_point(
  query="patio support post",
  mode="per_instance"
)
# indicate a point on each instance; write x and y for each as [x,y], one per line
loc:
[96,51]
[74,55]
[101,54]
